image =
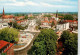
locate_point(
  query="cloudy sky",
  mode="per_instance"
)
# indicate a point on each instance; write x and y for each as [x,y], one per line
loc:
[39,5]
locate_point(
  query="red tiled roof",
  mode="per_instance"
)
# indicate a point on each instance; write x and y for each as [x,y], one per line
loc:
[19,17]
[45,21]
[70,21]
[11,44]
[21,21]
[59,19]
[3,43]
[58,32]
[10,20]
[7,16]
[51,21]
[18,21]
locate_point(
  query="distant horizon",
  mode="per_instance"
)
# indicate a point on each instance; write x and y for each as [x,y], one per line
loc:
[38,12]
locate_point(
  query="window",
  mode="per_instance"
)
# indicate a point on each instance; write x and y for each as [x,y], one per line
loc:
[4,25]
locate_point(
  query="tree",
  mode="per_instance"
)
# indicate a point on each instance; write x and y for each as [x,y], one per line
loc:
[3,54]
[26,17]
[70,43]
[52,24]
[31,17]
[45,43]
[15,25]
[61,16]
[10,23]
[38,22]
[0,15]
[47,16]
[9,34]
[38,49]
[68,17]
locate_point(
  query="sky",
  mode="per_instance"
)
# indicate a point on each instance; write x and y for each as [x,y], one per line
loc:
[39,5]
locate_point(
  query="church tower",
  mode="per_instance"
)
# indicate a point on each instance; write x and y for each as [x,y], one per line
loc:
[3,11]
[57,14]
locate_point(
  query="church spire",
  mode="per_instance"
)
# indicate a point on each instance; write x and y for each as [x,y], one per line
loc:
[57,14]
[3,11]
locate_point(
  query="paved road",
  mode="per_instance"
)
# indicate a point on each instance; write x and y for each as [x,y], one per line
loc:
[24,51]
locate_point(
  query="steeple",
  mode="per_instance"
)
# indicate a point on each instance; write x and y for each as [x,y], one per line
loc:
[3,11]
[57,14]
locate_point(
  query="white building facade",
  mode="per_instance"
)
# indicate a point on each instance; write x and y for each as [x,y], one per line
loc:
[3,25]
[62,27]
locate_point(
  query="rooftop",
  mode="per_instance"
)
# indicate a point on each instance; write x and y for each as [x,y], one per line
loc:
[4,43]
[7,16]
[71,21]
[21,21]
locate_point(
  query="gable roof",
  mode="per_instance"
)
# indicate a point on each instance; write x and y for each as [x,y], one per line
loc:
[3,44]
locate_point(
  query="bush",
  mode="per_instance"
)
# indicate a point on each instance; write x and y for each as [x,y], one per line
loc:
[9,34]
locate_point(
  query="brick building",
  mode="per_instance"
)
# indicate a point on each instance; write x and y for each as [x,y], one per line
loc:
[7,18]
[6,47]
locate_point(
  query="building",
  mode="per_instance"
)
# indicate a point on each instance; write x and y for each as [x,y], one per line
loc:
[19,17]
[3,25]
[56,16]
[30,15]
[23,22]
[62,27]
[45,23]
[72,22]
[32,25]
[6,47]
[7,18]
